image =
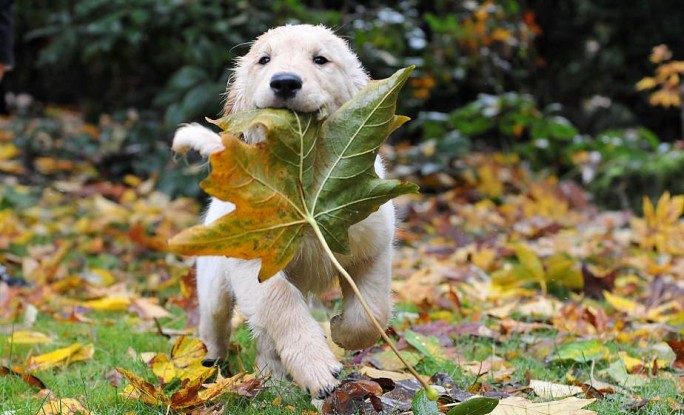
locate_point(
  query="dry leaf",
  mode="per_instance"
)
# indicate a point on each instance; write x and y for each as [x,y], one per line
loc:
[522,406]
[148,309]
[549,390]
[374,373]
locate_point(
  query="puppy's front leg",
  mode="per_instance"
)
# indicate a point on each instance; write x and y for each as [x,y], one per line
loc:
[353,329]
[277,309]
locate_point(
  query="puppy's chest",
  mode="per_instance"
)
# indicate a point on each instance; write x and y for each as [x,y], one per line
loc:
[312,270]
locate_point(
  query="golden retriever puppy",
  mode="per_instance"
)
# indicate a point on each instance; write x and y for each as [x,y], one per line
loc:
[307,69]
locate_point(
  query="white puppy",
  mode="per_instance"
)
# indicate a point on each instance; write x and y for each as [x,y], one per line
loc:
[307,69]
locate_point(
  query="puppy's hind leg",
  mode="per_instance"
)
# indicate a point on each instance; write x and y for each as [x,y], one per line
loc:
[216,307]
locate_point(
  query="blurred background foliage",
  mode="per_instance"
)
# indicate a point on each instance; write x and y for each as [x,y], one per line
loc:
[553,81]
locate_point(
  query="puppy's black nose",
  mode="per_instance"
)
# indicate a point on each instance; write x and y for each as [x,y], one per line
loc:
[285,85]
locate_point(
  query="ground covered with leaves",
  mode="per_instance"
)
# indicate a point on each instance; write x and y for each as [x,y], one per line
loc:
[508,284]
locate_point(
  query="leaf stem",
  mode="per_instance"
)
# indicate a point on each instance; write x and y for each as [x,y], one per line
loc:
[363,302]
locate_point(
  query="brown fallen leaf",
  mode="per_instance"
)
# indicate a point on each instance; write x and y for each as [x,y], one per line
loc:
[349,397]
[595,285]
[29,379]
[678,348]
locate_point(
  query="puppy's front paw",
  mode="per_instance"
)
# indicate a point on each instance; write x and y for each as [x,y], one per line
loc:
[318,378]
[195,137]
[324,390]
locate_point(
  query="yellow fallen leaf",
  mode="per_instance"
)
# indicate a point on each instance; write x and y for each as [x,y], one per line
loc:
[8,151]
[624,305]
[142,390]
[163,367]
[64,356]
[29,337]
[630,362]
[185,362]
[664,312]
[64,406]
[110,303]
[489,184]
[564,271]
[99,276]
[484,258]
[531,268]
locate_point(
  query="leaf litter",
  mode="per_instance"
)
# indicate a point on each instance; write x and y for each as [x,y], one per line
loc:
[502,255]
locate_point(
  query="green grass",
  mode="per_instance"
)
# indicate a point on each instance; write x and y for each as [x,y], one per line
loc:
[86,381]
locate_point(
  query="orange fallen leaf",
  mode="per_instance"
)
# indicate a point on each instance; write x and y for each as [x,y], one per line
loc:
[27,378]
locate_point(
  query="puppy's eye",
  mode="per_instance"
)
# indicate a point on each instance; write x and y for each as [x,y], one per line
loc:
[320,60]
[264,60]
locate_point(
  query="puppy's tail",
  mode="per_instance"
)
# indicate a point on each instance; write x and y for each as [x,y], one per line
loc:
[198,138]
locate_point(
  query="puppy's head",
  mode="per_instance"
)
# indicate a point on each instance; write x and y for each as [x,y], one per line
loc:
[301,67]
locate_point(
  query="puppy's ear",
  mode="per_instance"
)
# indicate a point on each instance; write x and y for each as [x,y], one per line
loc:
[229,103]
[235,91]
[359,78]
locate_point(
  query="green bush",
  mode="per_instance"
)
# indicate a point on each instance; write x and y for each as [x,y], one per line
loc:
[169,60]
[168,55]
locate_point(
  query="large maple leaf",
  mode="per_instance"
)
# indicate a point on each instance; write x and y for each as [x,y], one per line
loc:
[306,173]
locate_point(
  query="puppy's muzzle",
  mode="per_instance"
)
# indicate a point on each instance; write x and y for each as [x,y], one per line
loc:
[286,85]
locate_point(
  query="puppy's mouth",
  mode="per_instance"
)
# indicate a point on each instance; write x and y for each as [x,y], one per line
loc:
[321,111]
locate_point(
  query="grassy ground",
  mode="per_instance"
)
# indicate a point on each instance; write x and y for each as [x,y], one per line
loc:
[117,343]
[115,347]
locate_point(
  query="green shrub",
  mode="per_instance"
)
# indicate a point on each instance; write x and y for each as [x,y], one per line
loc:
[171,55]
